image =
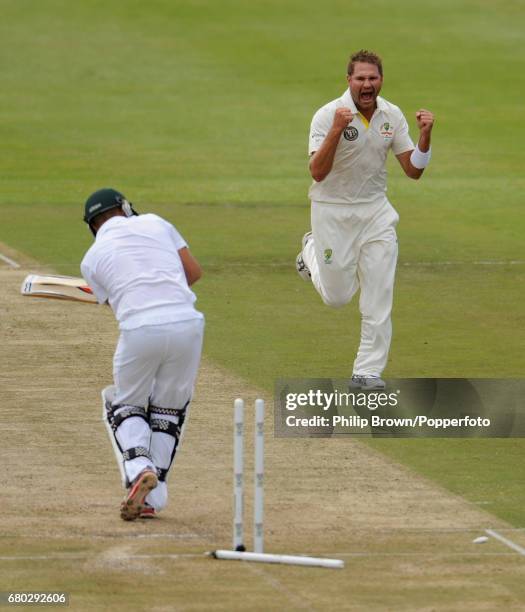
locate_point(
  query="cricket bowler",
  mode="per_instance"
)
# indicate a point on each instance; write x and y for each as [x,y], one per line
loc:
[353,242]
[142,267]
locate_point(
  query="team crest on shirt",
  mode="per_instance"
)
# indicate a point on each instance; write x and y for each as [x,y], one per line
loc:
[328,256]
[387,130]
[351,133]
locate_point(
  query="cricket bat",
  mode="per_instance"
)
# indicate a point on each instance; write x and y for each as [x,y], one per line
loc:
[58,287]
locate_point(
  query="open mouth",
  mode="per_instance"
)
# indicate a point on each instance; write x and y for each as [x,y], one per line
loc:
[367,96]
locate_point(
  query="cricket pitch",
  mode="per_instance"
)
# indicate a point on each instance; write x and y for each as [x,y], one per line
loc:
[406,543]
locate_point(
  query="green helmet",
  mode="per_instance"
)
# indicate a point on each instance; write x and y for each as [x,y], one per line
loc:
[106,199]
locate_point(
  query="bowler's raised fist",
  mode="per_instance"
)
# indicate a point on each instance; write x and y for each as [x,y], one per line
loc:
[342,117]
[425,120]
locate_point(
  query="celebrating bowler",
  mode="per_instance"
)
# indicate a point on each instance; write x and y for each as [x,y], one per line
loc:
[353,243]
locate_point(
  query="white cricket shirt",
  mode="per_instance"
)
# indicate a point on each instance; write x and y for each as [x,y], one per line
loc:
[134,264]
[358,175]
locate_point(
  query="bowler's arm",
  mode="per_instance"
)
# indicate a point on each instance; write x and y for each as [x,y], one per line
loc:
[410,161]
[322,160]
[191,266]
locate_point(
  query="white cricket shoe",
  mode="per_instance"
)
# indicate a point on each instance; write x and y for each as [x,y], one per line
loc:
[367,382]
[300,266]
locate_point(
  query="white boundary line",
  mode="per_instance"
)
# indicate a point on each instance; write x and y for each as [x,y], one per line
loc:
[287,264]
[9,261]
[406,264]
[119,536]
[73,556]
[177,556]
[488,262]
[519,549]
[205,536]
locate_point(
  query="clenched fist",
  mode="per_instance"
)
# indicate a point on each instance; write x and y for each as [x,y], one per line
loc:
[425,120]
[343,116]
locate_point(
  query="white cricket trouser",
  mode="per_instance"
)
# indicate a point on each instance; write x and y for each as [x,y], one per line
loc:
[155,365]
[355,246]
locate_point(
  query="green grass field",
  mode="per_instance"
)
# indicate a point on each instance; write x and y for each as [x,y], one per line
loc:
[199,111]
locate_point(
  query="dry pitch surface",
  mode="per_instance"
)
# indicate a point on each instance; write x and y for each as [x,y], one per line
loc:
[407,544]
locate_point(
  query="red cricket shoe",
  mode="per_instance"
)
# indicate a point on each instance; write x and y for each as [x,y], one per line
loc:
[148,512]
[133,504]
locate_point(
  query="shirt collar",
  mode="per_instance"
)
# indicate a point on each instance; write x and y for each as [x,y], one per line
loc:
[381,104]
[348,101]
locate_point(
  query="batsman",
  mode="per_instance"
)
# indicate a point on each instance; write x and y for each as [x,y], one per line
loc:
[141,266]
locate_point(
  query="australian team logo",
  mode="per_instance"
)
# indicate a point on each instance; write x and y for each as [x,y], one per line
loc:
[387,130]
[328,255]
[351,133]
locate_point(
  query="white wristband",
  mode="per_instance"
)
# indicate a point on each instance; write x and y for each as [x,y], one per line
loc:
[419,159]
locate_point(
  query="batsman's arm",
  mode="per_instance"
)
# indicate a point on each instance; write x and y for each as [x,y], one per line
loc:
[191,266]
[98,291]
[322,160]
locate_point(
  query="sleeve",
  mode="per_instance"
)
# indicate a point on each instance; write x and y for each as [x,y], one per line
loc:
[178,240]
[174,235]
[87,274]
[319,128]
[402,141]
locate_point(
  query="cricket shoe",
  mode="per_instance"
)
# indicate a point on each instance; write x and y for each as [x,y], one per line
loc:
[148,512]
[133,504]
[367,382]
[300,266]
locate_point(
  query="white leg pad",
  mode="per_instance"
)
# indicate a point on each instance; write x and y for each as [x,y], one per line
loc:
[108,395]
[130,436]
